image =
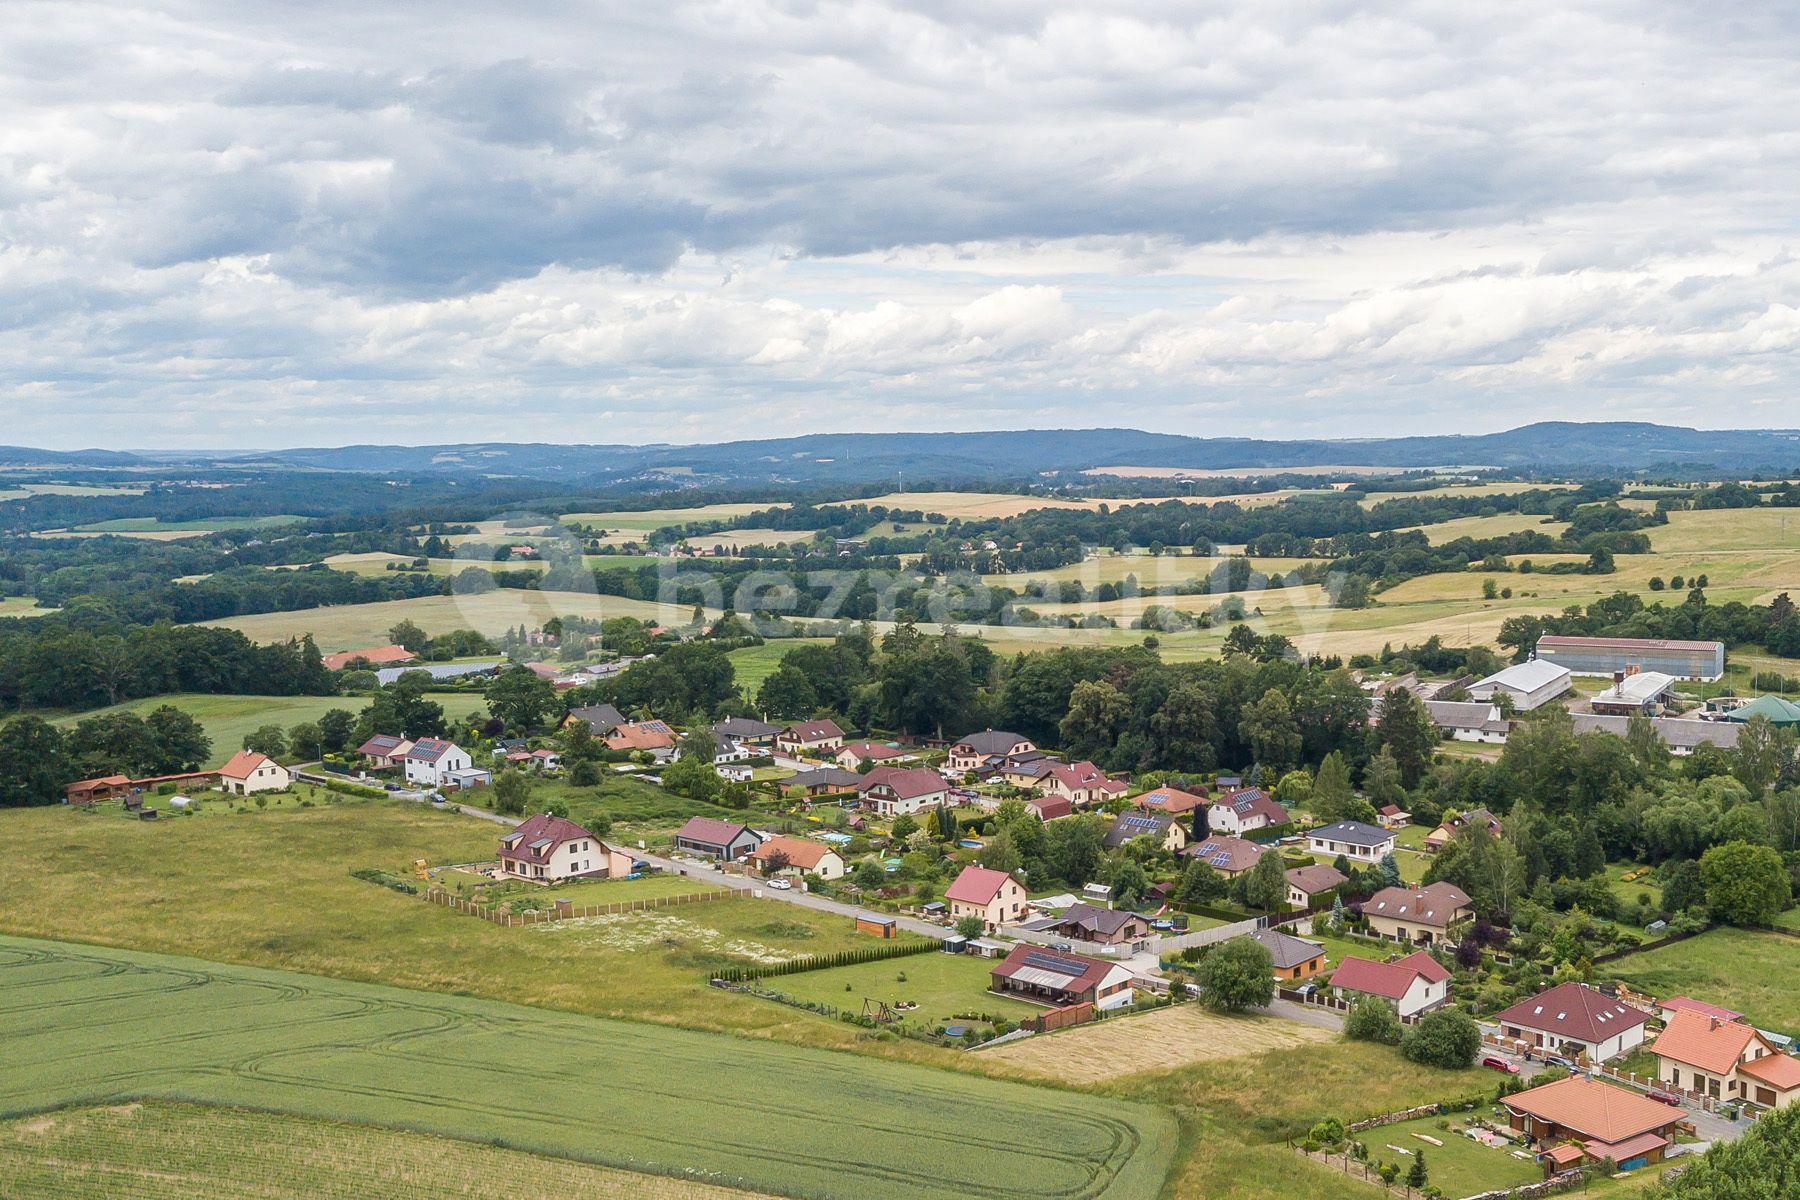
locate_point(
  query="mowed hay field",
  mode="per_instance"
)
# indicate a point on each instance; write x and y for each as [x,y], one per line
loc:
[1728,529]
[90,1025]
[227,719]
[651,519]
[1163,1040]
[1498,525]
[352,626]
[158,1150]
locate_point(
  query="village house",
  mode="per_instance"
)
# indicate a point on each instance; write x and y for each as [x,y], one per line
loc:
[437,763]
[654,738]
[974,751]
[1308,886]
[1417,914]
[747,731]
[1244,810]
[1295,959]
[1666,1009]
[1057,978]
[1024,771]
[601,719]
[248,772]
[1099,926]
[1581,1119]
[902,791]
[1727,1060]
[1352,839]
[385,751]
[1415,984]
[722,749]
[993,896]
[1169,800]
[1081,784]
[1227,855]
[820,737]
[1475,817]
[821,781]
[374,656]
[549,849]
[783,855]
[1049,808]
[712,838]
[1468,720]
[1168,833]
[1576,1021]
[1392,816]
[853,754]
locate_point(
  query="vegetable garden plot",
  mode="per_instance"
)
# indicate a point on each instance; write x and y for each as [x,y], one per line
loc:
[89,1025]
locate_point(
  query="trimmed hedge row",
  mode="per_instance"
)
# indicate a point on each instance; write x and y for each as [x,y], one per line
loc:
[820,962]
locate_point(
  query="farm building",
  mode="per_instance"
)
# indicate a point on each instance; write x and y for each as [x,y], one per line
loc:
[1422,915]
[1053,977]
[86,792]
[1634,692]
[1530,684]
[374,656]
[1702,661]
[1468,720]
[993,896]
[248,772]
[711,838]
[1680,734]
[387,675]
[1415,984]
[1727,1060]
[547,849]
[1604,1121]
[1776,710]
[1575,1019]
[1352,839]
[1295,959]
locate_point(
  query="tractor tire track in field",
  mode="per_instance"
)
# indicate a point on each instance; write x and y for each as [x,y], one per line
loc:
[98,1024]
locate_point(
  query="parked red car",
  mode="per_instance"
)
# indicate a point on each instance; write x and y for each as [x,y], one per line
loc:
[1665,1098]
[1499,1064]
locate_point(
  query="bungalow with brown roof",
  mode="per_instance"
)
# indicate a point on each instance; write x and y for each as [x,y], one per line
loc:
[1101,926]
[1417,914]
[1607,1122]
[1054,977]
[783,855]
[1575,1020]
[1309,885]
[853,754]
[87,792]
[710,838]
[1169,800]
[1294,960]
[385,751]
[1228,856]
[994,896]
[1727,1060]
[1415,984]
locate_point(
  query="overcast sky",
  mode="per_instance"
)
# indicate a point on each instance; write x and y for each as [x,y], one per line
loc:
[258,224]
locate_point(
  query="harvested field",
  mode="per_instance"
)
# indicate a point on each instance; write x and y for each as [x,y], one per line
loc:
[1164,1040]
[89,1025]
[980,506]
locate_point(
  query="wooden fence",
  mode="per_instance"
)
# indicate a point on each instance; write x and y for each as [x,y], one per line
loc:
[1060,1018]
[562,910]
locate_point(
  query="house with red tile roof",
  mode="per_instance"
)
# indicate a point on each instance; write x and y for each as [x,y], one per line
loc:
[548,849]
[1081,784]
[1727,1060]
[810,737]
[1244,810]
[248,772]
[375,656]
[1049,808]
[654,738]
[1228,856]
[1667,1009]
[1055,977]
[712,838]
[1573,1019]
[902,791]
[783,855]
[1308,886]
[994,896]
[1605,1121]
[385,750]
[1415,984]
[1169,800]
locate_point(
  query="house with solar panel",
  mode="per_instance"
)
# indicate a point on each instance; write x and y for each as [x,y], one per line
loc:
[1169,833]
[1244,810]
[1228,856]
[1059,979]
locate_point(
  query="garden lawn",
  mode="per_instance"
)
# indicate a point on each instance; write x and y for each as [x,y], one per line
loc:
[1745,970]
[89,1025]
[1460,1167]
[950,989]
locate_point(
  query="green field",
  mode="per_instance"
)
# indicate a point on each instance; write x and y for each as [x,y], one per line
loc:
[948,989]
[168,1151]
[753,664]
[199,525]
[651,519]
[1498,525]
[352,626]
[1460,1167]
[1749,972]
[21,606]
[227,719]
[89,1025]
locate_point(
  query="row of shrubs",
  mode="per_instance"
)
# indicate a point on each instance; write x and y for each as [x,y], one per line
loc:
[820,962]
[386,879]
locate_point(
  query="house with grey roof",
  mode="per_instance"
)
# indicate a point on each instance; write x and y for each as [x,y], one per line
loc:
[1352,839]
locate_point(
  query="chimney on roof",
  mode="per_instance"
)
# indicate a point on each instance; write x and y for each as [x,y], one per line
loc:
[1618,678]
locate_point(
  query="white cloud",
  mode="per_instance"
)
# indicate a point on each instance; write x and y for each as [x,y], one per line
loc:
[256,224]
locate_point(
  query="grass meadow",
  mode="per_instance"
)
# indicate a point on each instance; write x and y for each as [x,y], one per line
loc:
[945,987]
[227,719]
[1745,970]
[353,626]
[91,1025]
[160,1150]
